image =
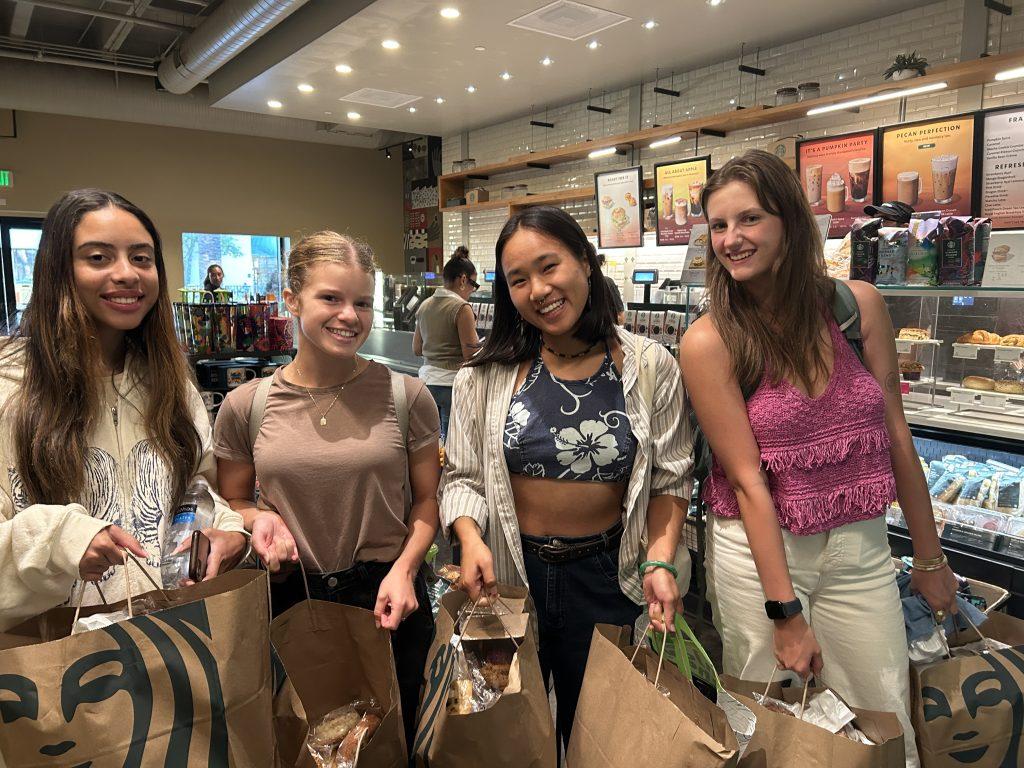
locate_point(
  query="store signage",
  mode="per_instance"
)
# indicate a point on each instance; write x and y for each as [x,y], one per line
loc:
[1002,170]
[678,186]
[1004,267]
[6,179]
[619,209]
[837,174]
[929,165]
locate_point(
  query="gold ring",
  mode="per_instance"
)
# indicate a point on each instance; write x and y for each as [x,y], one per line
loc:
[940,616]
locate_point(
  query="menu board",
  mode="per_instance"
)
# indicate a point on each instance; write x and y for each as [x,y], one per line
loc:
[929,165]
[619,209]
[838,176]
[1002,170]
[678,186]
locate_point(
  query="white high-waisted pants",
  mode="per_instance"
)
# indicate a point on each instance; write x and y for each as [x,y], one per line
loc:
[845,580]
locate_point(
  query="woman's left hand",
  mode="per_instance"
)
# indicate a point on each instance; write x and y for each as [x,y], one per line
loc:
[396,598]
[662,596]
[226,548]
[938,588]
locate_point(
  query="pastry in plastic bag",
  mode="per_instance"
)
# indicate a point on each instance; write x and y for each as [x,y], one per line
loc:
[331,736]
[357,739]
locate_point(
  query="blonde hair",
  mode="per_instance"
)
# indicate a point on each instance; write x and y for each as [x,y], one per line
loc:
[327,247]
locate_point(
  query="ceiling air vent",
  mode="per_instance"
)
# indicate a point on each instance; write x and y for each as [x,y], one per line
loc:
[568,20]
[378,98]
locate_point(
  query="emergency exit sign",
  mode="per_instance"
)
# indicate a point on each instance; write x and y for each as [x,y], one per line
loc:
[6,179]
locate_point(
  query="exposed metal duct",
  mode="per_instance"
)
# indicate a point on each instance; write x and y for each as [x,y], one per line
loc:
[229,29]
[142,21]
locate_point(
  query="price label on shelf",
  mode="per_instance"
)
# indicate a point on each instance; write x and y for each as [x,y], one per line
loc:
[962,396]
[993,399]
[965,351]
[1008,354]
[904,346]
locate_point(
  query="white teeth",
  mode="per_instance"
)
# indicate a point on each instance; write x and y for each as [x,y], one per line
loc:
[552,307]
[342,334]
[741,256]
[124,299]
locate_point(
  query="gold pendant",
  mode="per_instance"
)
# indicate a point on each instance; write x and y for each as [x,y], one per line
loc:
[323,421]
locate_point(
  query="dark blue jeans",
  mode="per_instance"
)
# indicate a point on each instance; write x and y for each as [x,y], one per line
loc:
[571,598]
[443,398]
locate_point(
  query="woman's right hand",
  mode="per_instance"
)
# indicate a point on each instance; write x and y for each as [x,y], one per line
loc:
[273,542]
[478,569]
[107,549]
[796,648]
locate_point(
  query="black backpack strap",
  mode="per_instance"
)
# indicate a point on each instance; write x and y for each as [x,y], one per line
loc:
[847,315]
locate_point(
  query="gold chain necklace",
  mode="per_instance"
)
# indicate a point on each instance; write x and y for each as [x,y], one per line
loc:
[316,408]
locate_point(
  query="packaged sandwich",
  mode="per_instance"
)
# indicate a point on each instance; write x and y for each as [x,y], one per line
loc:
[864,250]
[893,243]
[956,250]
[922,252]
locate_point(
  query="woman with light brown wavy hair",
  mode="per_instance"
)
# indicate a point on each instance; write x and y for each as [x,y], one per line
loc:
[810,447]
[101,428]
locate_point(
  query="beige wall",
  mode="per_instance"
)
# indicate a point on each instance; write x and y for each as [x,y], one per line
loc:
[199,181]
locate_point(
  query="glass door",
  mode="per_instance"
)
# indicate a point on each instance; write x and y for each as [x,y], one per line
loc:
[19,242]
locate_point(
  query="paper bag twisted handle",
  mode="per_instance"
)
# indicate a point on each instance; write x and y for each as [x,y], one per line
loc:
[661,656]
[803,701]
[125,557]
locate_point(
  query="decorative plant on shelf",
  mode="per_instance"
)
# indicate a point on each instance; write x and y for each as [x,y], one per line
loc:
[905,67]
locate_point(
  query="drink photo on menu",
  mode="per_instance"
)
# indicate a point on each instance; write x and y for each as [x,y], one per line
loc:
[838,176]
[680,184]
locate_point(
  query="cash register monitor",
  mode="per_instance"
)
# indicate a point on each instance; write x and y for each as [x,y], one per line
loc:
[645,276]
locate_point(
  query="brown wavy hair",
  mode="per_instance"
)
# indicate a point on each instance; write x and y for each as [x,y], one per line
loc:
[788,340]
[59,402]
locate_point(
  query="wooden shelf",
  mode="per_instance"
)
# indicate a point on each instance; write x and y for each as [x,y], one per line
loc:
[962,75]
[525,201]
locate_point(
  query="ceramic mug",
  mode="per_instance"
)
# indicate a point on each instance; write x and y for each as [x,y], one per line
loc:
[238,376]
[268,370]
[211,399]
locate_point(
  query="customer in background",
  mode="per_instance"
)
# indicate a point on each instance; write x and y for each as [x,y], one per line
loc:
[560,467]
[806,464]
[333,463]
[102,429]
[616,294]
[445,333]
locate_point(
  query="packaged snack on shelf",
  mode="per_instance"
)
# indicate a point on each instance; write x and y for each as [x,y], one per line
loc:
[630,324]
[956,250]
[643,322]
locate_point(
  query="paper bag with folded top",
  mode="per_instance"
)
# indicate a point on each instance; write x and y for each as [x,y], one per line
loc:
[781,738]
[635,708]
[485,702]
[968,710]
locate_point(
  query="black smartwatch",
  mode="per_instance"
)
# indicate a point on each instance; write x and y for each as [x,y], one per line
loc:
[778,610]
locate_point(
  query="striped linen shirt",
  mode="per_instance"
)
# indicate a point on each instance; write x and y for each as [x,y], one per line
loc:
[476,483]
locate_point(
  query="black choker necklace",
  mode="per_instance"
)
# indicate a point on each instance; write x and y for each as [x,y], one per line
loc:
[565,356]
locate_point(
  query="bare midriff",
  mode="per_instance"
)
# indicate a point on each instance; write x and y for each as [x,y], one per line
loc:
[570,508]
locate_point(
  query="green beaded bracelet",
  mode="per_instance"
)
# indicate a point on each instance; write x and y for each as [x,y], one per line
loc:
[657,564]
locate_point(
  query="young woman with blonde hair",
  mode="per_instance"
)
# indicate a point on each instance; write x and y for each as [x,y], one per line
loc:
[333,463]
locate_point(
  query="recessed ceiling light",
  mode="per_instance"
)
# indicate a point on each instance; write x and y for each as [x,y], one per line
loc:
[274,104]
[412,109]
[547,61]
[593,45]
[343,69]
[650,24]
[439,100]
[505,75]
[715,3]
[353,116]
[471,88]
[306,88]
[450,13]
[479,48]
[602,152]
[390,44]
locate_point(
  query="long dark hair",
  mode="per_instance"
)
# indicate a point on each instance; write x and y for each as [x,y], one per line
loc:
[512,339]
[207,282]
[753,340]
[59,400]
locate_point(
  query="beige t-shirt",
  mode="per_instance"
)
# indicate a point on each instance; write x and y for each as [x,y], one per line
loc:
[340,488]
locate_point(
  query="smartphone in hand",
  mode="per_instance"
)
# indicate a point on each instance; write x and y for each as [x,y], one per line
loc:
[199,553]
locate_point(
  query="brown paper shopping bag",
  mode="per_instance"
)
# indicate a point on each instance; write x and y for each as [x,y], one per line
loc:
[184,682]
[968,710]
[517,731]
[624,717]
[781,740]
[334,654]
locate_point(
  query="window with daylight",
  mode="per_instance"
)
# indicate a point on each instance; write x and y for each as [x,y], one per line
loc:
[252,264]
[19,241]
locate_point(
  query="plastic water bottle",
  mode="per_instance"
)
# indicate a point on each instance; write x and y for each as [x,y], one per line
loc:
[194,513]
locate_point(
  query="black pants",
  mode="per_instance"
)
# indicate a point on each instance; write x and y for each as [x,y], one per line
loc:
[358,587]
[571,598]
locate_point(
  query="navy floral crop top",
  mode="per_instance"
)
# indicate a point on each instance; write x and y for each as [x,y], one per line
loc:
[570,430]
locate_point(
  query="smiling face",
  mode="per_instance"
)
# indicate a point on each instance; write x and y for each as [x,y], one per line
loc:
[115,270]
[549,285]
[747,240]
[334,308]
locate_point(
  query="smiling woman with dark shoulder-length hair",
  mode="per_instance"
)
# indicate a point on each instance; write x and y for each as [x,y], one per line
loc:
[569,454]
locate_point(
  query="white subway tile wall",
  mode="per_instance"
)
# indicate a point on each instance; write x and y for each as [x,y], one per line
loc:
[840,60]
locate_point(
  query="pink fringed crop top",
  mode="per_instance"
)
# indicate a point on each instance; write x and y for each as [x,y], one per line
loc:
[827,458]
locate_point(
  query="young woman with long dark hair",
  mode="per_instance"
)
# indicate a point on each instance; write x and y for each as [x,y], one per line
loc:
[805,466]
[102,427]
[563,473]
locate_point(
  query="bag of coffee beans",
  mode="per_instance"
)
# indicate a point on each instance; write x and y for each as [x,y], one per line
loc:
[864,249]
[922,252]
[893,244]
[956,250]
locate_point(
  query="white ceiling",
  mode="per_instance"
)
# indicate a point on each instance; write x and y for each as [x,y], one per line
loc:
[437,56]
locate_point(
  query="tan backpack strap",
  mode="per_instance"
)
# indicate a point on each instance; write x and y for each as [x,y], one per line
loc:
[258,408]
[401,404]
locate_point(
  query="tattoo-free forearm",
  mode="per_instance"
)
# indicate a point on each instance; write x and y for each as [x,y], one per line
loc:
[665,516]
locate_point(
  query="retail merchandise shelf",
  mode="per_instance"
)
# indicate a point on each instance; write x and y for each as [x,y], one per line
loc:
[961,75]
[950,290]
[524,201]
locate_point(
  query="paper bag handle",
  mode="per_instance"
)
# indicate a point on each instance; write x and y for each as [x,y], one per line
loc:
[473,612]
[661,656]
[125,557]
[803,700]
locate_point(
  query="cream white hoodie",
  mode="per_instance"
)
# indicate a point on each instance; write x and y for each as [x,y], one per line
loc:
[126,483]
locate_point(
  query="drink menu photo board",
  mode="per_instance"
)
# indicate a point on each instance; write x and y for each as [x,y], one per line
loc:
[930,165]
[1002,169]
[838,176]
[619,210]
[678,186]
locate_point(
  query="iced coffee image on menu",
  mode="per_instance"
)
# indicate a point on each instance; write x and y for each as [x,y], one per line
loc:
[835,194]
[813,186]
[943,177]
[860,173]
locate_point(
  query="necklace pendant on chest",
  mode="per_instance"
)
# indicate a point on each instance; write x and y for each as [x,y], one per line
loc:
[323,421]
